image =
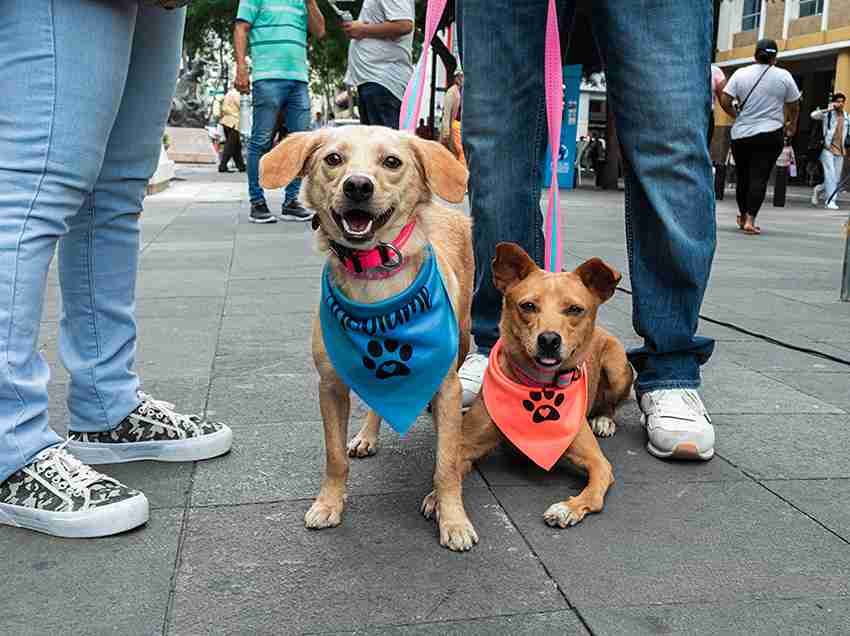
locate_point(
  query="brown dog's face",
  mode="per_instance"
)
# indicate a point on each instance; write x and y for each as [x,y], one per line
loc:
[364,182]
[549,317]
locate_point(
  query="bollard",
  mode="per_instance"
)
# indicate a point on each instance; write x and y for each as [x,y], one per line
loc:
[779,185]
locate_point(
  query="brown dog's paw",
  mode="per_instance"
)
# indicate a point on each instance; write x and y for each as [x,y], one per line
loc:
[603,426]
[565,513]
[362,445]
[429,506]
[458,536]
[322,515]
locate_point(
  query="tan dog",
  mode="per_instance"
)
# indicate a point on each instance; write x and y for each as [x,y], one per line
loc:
[366,184]
[548,327]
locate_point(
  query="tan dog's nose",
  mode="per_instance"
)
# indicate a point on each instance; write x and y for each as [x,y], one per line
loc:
[358,188]
[549,342]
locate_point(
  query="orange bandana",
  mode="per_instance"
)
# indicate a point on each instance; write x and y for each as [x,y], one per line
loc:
[542,422]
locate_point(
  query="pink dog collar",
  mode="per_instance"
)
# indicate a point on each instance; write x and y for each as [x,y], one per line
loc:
[386,257]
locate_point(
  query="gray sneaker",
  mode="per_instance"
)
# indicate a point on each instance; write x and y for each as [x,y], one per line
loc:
[59,495]
[153,431]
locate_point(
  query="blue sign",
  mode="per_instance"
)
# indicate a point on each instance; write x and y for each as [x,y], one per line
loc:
[569,128]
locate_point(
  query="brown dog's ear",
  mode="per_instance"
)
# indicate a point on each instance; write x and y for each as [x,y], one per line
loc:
[599,277]
[288,159]
[510,266]
[445,175]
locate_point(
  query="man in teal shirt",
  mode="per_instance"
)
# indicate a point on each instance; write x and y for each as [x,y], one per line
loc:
[276,32]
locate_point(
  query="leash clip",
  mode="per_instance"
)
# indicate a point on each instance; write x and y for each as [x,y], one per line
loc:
[385,249]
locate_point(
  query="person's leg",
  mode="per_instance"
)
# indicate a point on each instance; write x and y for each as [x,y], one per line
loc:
[297,120]
[267,101]
[364,94]
[238,159]
[741,154]
[830,176]
[766,150]
[383,108]
[228,152]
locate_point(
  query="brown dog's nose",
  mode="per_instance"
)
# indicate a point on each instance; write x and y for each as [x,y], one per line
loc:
[549,342]
[358,188]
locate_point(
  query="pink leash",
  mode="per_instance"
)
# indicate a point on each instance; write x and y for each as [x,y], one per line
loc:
[554,90]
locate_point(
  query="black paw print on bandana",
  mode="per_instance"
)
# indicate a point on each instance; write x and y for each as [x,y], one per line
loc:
[388,368]
[545,411]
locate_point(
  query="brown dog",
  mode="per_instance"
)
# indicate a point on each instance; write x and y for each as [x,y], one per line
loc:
[367,184]
[548,327]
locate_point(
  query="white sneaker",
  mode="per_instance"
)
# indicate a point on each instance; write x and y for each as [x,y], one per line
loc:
[59,495]
[678,424]
[816,194]
[832,206]
[471,375]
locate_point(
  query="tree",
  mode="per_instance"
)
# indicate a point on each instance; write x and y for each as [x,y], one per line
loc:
[209,25]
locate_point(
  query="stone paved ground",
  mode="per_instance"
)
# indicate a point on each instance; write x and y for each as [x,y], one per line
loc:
[755,541]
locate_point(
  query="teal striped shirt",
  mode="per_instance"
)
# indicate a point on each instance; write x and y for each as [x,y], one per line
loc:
[278,38]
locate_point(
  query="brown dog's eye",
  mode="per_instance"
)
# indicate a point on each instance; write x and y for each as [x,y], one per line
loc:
[333,159]
[528,308]
[392,162]
[575,310]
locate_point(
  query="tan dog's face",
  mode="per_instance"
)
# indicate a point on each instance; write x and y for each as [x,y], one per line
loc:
[549,317]
[364,182]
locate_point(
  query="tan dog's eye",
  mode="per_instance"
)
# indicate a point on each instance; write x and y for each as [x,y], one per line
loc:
[392,162]
[575,310]
[333,159]
[528,308]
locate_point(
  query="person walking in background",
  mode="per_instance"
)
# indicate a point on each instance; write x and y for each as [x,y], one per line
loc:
[318,123]
[79,144]
[233,141]
[450,130]
[836,143]
[276,31]
[757,96]
[718,82]
[379,58]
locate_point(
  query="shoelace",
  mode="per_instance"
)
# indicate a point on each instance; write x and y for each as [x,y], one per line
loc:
[68,472]
[473,367]
[178,420]
[673,400]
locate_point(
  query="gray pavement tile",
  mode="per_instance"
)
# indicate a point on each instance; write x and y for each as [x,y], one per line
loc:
[814,617]
[827,500]
[260,344]
[539,624]
[759,355]
[833,388]
[670,543]
[201,282]
[277,461]
[626,451]
[116,585]
[275,307]
[177,346]
[242,290]
[785,446]
[195,307]
[251,399]
[166,485]
[257,568]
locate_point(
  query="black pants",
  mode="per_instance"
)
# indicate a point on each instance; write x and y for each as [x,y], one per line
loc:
[754,158]
[232,149]
[378,106]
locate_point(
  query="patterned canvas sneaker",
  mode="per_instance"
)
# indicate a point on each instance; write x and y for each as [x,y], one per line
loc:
[57,494]
[471,375]
[260,213]
[153,431]
[677,424]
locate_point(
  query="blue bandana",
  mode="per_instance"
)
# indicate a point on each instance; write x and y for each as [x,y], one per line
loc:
[394,354]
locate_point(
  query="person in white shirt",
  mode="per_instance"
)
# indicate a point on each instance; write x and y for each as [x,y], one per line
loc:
[757,96]
[836,143]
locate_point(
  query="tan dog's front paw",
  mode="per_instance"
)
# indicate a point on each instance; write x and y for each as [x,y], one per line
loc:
[362,445]
[429,506]
[565,513]
[458,536]
[603,426]
[323,515]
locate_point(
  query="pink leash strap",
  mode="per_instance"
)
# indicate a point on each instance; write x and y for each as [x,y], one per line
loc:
[553,84]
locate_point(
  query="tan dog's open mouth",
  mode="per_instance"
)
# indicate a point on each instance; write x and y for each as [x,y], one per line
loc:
[360,225]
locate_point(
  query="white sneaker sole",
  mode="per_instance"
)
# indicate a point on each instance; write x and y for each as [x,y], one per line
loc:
[687,451]
[271,219]
[97,522]
[192,449]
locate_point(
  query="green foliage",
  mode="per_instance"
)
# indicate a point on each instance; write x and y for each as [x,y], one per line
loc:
[205,18]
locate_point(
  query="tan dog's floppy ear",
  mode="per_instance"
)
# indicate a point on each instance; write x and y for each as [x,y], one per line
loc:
[446,176]
[288,159]
[599,277]
[511,265]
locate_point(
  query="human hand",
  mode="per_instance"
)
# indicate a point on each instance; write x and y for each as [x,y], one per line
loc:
[243,79]
[356,30]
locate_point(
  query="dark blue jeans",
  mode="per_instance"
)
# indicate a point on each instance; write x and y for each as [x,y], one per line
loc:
[269,97]
[377,105]
[657,54]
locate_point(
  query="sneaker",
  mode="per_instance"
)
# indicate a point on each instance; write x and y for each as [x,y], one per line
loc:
[832,206]
[294,211]
[471,375]
[260,213]
[678,424]
[57,494]
[816,194]
[153,431]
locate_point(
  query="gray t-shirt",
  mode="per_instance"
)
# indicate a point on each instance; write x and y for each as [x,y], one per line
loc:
[765,107]
[385,62]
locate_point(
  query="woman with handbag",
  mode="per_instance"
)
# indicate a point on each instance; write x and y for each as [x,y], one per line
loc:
[756,96]
[83,119]
[834,143]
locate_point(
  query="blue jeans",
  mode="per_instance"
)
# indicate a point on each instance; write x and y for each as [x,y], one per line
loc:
[83,120]
[269,98]
[657,54]
[377,105]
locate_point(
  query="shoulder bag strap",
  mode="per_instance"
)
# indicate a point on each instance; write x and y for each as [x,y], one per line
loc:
[758,81]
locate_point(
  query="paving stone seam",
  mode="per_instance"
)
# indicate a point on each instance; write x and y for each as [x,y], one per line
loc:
[755,600]
[165,227]
[799,390]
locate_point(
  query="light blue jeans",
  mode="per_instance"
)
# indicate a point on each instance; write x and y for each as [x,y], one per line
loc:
[86,88]
[657,55]
[269,97]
